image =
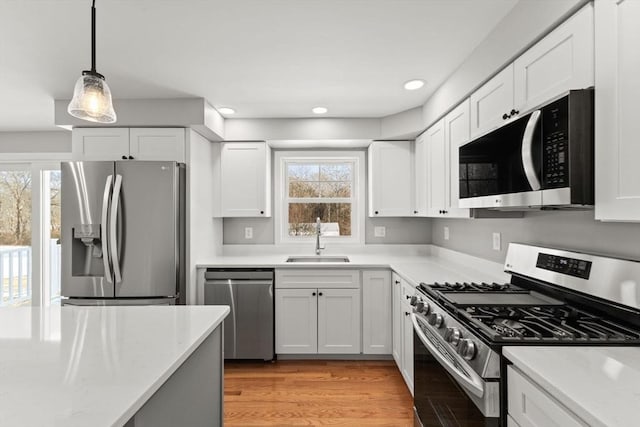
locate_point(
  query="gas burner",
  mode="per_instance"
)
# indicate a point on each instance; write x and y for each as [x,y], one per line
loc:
[547,323]
[474,287]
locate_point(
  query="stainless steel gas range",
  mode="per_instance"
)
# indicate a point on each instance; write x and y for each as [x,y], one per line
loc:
[554,297]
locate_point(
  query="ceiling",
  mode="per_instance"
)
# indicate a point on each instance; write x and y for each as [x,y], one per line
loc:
[265,58]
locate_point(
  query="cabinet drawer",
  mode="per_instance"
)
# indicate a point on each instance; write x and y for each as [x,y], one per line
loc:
[317,278]
[530,406]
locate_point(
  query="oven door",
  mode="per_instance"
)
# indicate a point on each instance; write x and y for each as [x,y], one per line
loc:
[446,394]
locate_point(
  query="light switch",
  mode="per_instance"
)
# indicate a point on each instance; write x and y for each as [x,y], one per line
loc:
[446,233]
[380,231]
[248,232]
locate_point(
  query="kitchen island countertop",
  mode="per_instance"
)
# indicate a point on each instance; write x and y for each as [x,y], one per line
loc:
[93,366]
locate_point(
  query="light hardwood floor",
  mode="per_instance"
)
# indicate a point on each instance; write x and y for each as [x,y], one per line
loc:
[313,393]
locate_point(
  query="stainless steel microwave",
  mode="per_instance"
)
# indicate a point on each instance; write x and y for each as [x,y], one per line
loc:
[543,159]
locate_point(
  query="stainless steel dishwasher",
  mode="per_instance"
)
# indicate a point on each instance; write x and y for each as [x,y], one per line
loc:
[248,330]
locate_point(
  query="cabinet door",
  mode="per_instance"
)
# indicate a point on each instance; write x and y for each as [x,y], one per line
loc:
[296,321]
[437,169]
[617,126]
[456,132]
[531,406]
[491,102]
[166,144]
[561,61]
[397,319]
[339,321]
[421,167]
[407,346]
[376,312]
[245,179]
[99,143]
[390,179]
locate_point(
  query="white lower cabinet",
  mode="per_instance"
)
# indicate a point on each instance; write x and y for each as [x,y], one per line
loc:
[532,406]
[396,319]
[402,328]
[376,312]
[296,321]
[318,312]
[339,321]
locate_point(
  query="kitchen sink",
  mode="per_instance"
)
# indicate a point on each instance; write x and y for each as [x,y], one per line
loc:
[317,259]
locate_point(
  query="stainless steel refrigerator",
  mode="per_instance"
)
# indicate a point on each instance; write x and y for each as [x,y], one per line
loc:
[123,232]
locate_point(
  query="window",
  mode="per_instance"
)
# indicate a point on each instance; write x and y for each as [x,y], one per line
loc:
[29,234]
[325,185]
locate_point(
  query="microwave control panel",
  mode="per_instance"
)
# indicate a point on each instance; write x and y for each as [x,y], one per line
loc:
[555,147]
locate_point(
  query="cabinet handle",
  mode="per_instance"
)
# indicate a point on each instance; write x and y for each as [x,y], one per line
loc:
[320,293]
[124,157]
[376,212]
[505,116]
[397,282]
[415,212]
[406,313]
[261,212]
[407,296]
[130,157]
[514,112]
[313,294]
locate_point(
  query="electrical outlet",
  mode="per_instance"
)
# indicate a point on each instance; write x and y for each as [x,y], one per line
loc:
[446,233]
[496,241]
[380,231]
[248,232]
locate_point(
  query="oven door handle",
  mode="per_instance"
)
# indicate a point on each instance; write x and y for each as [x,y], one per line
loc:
[527,154]
[474,384]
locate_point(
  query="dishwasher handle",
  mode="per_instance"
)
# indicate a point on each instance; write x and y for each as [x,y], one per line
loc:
[237,282]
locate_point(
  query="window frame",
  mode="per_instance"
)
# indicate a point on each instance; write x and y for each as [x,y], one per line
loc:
[281,211]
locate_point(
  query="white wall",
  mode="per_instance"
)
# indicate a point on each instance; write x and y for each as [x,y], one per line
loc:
[35,142]
[204,232]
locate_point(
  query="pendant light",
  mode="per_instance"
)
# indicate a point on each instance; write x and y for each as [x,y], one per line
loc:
[91,95]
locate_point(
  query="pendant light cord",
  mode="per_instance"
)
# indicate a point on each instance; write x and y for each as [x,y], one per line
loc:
[93,36]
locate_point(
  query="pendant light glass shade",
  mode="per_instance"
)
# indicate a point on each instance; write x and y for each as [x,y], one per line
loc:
[92,99]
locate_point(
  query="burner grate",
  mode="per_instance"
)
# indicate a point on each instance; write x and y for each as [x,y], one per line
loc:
[474,287]
[547,323]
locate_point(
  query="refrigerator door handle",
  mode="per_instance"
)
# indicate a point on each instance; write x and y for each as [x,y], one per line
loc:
[103,229]
[113,237]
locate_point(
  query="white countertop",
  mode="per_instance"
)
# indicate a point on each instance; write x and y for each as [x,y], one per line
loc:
[415,263]
[599,384]
[92,366]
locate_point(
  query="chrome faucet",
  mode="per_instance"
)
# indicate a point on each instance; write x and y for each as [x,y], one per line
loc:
[318,233]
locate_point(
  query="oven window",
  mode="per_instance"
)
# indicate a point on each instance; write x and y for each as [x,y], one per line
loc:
[438,399]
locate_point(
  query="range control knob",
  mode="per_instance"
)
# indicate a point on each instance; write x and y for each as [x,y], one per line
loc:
[436,320]
[467,349]
[453,335]
[419,306]
[414,300]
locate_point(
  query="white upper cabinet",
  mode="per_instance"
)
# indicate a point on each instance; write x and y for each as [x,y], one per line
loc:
[442,140]
[617,127]
[99,143]
[157,144]
[456,132]
[421,171]
[166,144]
[492,104]
[436,155]
[561,61]
[376,312]
[245,179]
[391,179]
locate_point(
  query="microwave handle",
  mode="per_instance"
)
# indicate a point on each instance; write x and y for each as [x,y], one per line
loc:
[527,155]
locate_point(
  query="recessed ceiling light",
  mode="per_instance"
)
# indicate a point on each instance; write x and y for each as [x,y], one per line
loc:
[414,84]
[319,110]
[226,110]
